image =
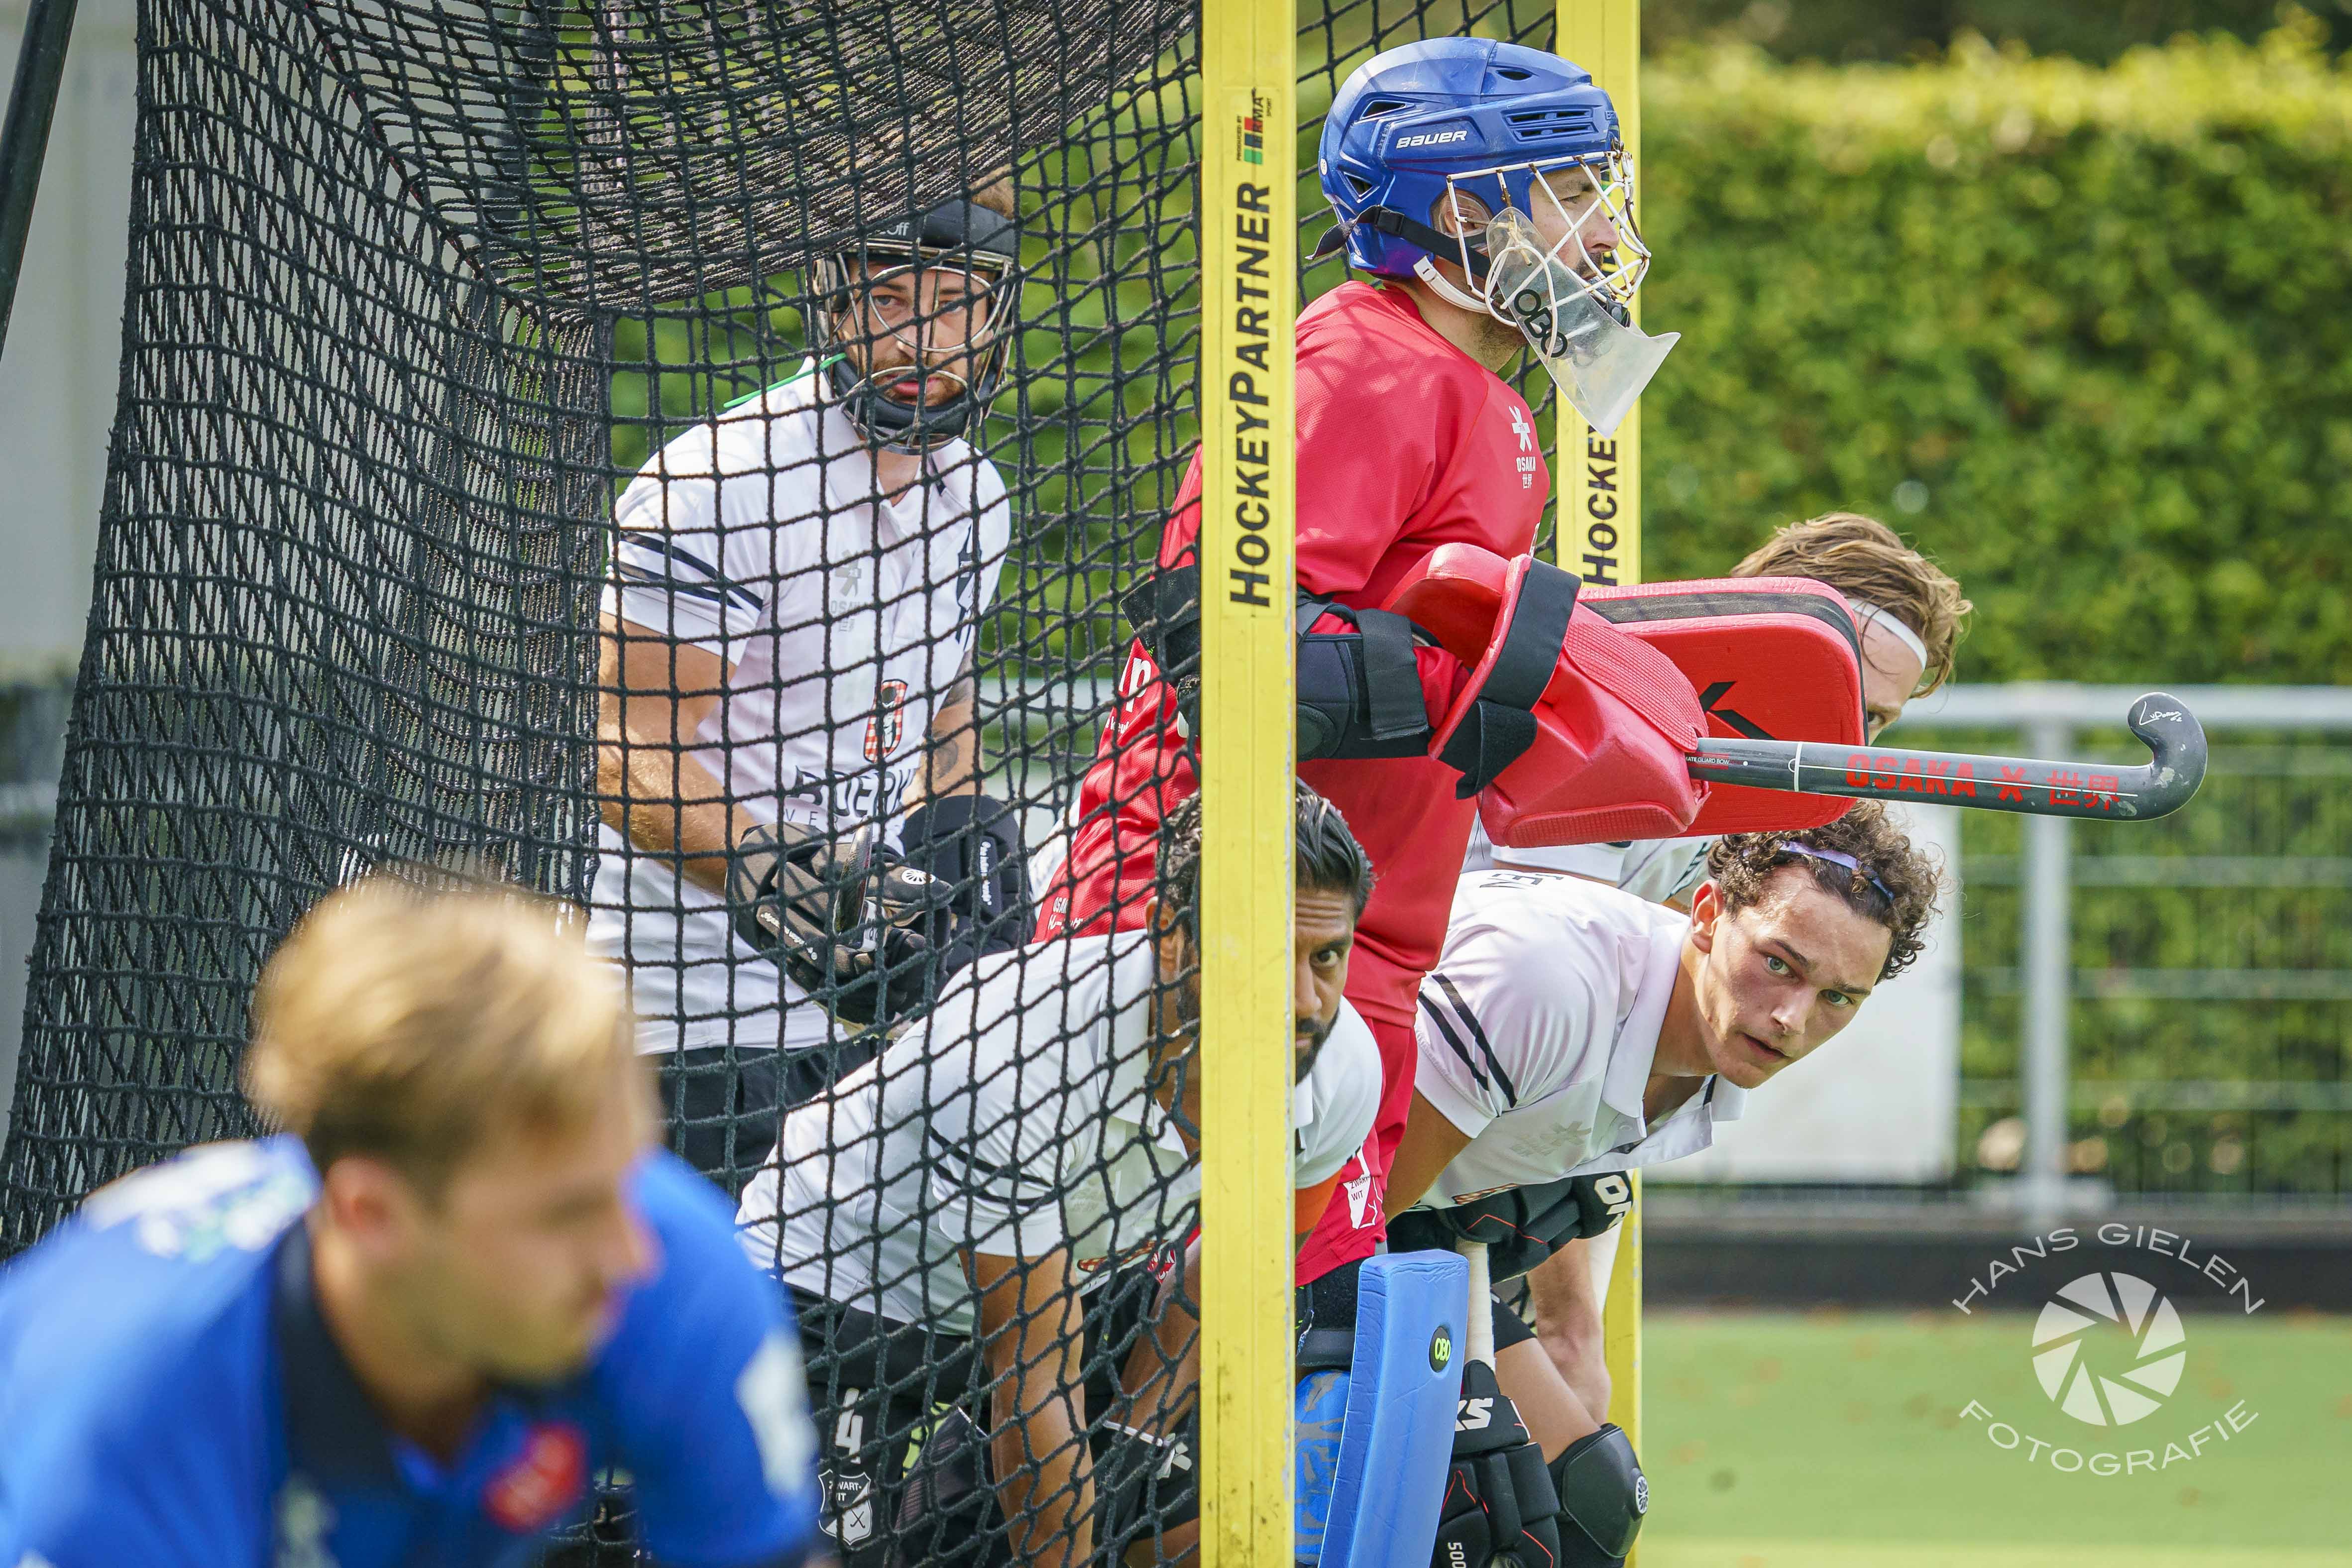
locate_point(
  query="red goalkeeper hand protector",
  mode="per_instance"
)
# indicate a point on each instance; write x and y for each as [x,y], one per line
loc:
[1640,673]
[1568,730]
[1771,659]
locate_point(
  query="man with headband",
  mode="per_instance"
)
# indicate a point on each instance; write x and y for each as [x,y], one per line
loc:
[1571,1032]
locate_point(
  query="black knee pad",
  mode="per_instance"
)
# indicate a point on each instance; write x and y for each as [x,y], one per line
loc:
[1603,1496]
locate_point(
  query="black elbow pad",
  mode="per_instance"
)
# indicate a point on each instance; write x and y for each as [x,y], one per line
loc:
[1359,689]
[1359,685]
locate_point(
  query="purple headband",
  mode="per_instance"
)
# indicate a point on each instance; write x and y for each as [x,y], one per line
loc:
[1837,858]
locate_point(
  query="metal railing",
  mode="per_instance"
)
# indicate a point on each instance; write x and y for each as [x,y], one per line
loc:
[2143,882]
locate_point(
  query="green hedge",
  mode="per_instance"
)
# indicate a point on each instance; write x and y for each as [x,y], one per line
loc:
[2086,333]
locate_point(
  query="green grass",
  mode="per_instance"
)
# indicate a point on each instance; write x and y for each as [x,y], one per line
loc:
[1830,1440]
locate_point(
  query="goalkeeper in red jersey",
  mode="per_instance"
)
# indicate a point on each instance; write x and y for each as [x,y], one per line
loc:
[1484,187]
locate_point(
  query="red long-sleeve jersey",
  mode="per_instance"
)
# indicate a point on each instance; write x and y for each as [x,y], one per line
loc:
[1405,443]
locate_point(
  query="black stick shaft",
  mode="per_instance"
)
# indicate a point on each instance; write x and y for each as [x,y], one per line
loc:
[25,136]
[2031,785]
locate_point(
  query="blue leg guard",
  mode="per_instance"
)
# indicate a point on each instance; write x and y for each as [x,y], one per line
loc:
[1374,1442]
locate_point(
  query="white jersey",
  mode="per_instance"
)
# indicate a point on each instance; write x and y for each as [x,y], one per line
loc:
[841,617]
[1652,868]
[1015,1120]
[1537,1030]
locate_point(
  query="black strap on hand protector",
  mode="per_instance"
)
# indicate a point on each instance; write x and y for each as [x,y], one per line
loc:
[1501,724]
[1359,689]
[971,845]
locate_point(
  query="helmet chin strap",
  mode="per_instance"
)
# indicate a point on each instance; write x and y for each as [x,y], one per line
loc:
[1425,268]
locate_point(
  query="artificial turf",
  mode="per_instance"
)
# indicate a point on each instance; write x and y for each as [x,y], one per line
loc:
[1832,1440]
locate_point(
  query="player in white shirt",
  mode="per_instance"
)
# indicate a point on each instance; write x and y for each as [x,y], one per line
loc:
[1909,613]
[1025,1143]
[1571,1032]
[796,589]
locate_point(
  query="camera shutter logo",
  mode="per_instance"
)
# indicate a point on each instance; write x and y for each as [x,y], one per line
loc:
[2083,1324]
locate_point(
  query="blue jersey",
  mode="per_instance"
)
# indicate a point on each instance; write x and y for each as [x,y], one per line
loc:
[170,1398]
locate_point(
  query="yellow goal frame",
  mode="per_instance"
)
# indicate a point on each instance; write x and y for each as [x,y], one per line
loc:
[1249,291]
[1599,539]
[1248,236]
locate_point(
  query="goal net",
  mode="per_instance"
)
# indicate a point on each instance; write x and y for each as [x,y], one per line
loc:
[504,480]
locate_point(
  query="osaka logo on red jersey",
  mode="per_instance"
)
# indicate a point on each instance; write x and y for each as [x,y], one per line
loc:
[542,1482]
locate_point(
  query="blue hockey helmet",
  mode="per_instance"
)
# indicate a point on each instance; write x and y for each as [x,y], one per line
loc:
[1416,129]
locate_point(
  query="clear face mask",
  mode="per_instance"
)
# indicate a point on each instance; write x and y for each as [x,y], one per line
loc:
[1577,326]
[942,321]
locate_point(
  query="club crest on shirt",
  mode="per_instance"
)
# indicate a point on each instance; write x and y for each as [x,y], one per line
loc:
[844,587]
[888,725]
[542,1482]
[848,1515]
[1363,1203]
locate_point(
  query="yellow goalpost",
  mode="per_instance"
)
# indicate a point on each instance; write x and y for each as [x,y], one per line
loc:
[1249,287]
[1599,539]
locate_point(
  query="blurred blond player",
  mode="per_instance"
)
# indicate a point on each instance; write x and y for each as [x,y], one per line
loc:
[1910,614]
[414,1326]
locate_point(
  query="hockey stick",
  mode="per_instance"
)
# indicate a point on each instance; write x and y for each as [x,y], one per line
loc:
[2027,784]
[1479,1341]
[25,135]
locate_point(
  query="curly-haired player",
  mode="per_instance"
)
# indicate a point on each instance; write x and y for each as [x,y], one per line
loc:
[1570,1032]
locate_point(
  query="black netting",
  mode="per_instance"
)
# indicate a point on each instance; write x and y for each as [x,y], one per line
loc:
[425,299]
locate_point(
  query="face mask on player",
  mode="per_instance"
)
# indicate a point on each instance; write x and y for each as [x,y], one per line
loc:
[1568,296]
[901,332]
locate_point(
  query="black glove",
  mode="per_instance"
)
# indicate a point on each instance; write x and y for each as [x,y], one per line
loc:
[852,924]
[1499,1501]
[971,845]
[1521,1226]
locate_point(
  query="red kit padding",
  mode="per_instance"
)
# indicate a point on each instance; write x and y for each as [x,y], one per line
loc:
[1614,725]
[1770,657]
